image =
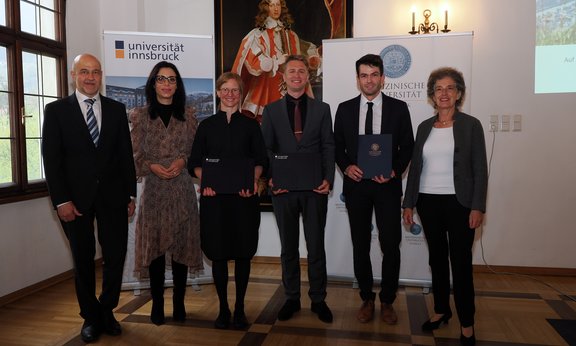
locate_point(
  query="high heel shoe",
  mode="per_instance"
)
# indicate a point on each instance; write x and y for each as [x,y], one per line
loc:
[468,340]
[430,326]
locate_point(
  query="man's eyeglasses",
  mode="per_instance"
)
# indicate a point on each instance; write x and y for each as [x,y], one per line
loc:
[161,79]
[226,91]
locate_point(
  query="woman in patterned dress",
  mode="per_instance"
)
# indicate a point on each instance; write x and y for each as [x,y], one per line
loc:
[168,220]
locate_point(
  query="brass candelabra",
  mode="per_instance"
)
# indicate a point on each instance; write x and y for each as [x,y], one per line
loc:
[427,27]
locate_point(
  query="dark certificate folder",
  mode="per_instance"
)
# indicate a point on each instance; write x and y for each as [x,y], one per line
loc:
[296,172]
[375,155]
[228,175]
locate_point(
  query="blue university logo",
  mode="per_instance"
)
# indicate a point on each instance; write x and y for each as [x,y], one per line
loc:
[397,61]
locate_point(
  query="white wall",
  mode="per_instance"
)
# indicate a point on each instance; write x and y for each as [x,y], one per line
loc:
[531,188]
[33,247]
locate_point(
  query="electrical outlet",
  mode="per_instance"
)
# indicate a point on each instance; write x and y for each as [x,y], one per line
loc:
[517,123]
[494,123]
[505,123]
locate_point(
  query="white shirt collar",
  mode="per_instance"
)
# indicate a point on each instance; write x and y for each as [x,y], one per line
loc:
[81,97]
[377,100]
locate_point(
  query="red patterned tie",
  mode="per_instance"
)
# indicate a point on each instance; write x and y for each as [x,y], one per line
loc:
[297,120]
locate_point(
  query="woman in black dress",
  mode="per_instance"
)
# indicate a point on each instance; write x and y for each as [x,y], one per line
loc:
[229,222]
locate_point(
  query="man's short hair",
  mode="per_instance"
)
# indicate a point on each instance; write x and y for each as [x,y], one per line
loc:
[370,60]
[295,57]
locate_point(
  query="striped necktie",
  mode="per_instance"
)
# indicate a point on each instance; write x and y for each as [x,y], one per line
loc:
[91,121]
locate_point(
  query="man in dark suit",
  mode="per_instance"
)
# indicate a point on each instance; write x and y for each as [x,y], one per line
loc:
[299,124]
[90,174]
[372,112]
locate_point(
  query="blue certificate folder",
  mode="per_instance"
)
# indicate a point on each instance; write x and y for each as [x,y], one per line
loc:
[228,175]
[296,172]
[375,155]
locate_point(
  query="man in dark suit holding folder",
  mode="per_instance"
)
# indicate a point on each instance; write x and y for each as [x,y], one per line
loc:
[372,112]
[300,124]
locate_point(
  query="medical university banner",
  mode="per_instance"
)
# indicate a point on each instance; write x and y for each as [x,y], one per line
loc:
[128,59]
[408,61]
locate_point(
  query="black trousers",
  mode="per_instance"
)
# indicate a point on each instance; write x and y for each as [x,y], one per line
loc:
[450,239]
[287,209]
[362,200]
[113,238]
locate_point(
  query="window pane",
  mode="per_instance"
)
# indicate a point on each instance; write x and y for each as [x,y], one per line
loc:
[34,157]
[49,76]
[31,73]
[47,3]
[40,80]
[47,21]
[6,170]
[6,141]
[3,12]
[38,18]
[28,17]
[3,69]
[32,107]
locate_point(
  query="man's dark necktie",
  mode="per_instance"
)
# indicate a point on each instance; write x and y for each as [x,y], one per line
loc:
[297,120]
[91,121]
[369,116]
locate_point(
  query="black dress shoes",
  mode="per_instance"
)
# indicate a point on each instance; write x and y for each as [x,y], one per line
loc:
[323,312]
[240,321]
[430,326]
[179,313]
[223,320]
[157,314]
[90,332]
[111,326]
[287,311]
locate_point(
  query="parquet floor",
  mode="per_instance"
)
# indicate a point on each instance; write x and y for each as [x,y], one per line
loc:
[510,311]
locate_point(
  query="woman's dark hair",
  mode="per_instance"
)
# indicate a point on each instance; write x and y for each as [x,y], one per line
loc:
[285,16]
[444,72]
[179,98]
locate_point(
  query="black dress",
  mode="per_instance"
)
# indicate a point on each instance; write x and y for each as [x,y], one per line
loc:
[228,223]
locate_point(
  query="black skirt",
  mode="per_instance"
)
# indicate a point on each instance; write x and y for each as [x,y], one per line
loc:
[229,227]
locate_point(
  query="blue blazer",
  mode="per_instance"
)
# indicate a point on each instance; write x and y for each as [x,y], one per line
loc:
[470,165]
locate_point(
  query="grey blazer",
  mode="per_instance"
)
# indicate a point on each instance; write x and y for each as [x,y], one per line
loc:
[317,136]
[470,166]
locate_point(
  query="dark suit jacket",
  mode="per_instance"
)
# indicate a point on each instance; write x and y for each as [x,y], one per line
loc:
[78,171]
[470,165]
[317,136]
[395,120]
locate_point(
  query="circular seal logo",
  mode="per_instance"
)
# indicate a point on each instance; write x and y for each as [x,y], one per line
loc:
[397,60]
[375,146]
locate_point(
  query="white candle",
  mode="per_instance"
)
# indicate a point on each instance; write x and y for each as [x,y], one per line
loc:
[446,18]
[413,20]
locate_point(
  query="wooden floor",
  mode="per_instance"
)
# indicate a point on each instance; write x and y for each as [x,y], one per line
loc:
[510,311]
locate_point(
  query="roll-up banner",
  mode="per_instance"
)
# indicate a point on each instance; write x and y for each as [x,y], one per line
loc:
[128,59]
[408,61]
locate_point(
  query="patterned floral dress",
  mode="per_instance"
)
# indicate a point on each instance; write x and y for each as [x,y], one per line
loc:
[168,222]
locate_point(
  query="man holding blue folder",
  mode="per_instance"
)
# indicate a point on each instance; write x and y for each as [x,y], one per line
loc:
[373,113]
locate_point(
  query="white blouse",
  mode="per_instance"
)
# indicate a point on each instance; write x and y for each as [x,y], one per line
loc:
[438,163]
